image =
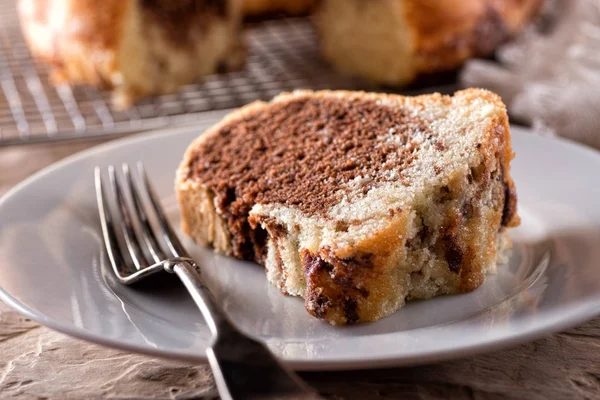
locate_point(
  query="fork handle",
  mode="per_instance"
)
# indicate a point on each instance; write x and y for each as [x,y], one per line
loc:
[188,271]
[243,367]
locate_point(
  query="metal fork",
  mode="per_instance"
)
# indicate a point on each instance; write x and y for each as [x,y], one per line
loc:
[243,367]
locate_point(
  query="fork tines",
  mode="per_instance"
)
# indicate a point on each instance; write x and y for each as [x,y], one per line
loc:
[141,244]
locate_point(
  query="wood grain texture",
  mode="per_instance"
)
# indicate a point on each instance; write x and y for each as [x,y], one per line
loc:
[37,363]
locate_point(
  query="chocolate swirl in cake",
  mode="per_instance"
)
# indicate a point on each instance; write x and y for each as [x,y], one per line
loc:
[303,154]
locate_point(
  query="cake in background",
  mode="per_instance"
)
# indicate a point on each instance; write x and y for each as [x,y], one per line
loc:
[392,42]
[289,7]
[142,48]
[135,48]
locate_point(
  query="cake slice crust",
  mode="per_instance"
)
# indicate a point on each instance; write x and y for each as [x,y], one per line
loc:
[356,201]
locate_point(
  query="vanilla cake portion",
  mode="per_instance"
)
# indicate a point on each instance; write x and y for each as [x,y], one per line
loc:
[356,201]
[395,41]
[136,48]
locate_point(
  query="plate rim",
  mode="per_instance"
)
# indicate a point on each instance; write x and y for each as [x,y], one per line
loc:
[487,346]
[573,315]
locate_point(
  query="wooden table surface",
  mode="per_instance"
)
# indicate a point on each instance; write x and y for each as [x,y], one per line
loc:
[37,363]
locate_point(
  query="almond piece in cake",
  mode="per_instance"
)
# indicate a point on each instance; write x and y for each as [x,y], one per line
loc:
[355,201]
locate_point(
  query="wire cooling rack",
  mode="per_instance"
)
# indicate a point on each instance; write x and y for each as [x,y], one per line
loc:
[283,55]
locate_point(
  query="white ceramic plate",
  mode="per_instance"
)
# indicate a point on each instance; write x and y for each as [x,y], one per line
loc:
[53,269]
